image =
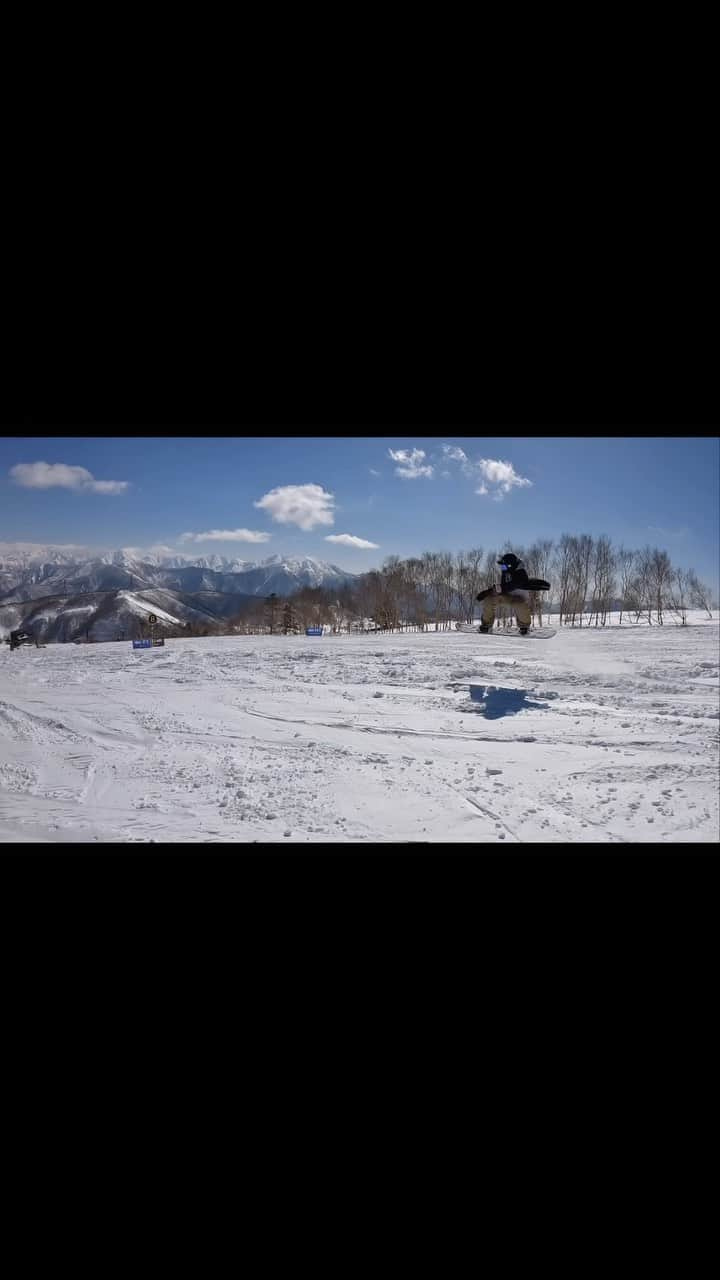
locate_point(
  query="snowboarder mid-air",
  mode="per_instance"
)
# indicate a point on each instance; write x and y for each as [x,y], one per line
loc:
[514,590]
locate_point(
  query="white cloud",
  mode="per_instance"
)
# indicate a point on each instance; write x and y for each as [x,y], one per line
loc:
[412,463]
[23,548]
[496,478]
[373,472]
[226,535]
[502,476]
[454,454]
[501,473]
[302,504]
[107,486]
[53,475]
[668,533]
[159,549]
[349,540]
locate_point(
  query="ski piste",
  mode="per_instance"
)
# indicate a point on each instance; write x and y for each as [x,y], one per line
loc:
[536,633]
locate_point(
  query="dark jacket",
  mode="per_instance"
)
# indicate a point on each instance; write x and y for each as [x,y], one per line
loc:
[514,579]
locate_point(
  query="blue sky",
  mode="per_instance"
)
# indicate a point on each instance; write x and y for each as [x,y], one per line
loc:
[404,493]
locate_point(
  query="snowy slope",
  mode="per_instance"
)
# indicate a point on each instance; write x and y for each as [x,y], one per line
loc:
[109,615]
[594,738]
[144,609]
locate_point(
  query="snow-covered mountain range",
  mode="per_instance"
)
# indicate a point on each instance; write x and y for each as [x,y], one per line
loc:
[29,571]
[64,593]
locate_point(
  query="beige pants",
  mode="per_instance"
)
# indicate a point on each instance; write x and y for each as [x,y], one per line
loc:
[521,607]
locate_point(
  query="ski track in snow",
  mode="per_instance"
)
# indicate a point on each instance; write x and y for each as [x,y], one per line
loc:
[594,736]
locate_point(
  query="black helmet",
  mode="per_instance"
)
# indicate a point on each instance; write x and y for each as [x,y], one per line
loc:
[510,560]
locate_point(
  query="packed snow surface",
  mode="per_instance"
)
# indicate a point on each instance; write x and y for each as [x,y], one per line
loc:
[594,736]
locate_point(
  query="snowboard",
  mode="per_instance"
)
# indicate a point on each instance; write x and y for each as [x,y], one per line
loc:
[536,633]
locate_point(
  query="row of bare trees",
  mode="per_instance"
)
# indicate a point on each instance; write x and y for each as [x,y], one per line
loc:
[589,578]
[284,615]
[592,578]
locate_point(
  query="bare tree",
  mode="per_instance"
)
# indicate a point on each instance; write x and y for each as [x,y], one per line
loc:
[700,594]
[379,600]
[661,572]
[679,593]
[642,583]
[427,575]
[391,592]
[271,608]
[365,595]
[475,560]
[626,565]
[344,609]
[439,573]
[463,587]
[446,583]
[537,563]
[563,572]
[414,604]
[603,580]
[574,571]
[585,544]
[489,573]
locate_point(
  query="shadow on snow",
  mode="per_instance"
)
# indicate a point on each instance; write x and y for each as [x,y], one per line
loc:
[495,703]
